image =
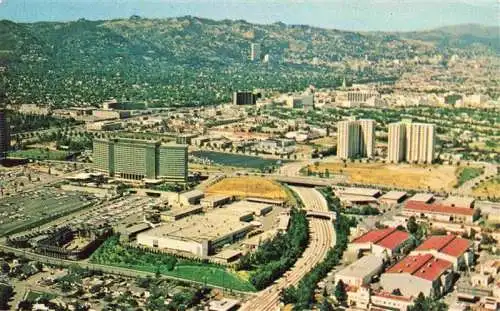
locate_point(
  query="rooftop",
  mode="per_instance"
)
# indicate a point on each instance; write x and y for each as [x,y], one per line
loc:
[422,266]
[463,202]
[438,208]
[389,237]
[422,197]
[211,225]
[447,244]
[393,195]
[362,267]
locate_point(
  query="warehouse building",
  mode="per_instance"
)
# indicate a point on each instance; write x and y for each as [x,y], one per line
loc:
[360,272]
[382,242]
[448,247]
[420,273]
[439,212]
[140,159]
[205,234]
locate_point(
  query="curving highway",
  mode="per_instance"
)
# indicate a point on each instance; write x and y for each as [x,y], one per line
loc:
[321,239]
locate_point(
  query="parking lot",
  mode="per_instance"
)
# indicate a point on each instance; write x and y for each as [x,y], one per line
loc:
[34,208]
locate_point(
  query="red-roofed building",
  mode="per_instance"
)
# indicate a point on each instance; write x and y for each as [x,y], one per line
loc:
[363,297]
[440,212]
[381,242]
[419,273]
[448,247]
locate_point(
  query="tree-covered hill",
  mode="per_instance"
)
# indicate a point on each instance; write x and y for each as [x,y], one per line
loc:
[188,60]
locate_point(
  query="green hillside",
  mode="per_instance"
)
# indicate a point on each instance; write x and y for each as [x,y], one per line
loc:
[188,60]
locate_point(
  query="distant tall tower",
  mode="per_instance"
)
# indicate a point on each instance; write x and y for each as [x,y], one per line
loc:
[255,52]
[4,134]
[355,138]
[411,142]
[344,84]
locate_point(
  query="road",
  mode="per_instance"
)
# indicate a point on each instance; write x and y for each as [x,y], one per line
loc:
[322,238]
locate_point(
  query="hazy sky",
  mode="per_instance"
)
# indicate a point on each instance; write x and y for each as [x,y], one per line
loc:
[348,14]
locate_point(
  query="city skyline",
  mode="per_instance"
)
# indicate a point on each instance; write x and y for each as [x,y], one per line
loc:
[353,15]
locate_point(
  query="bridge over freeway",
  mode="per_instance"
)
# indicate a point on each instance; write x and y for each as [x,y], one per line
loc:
[304,181]
[321,214]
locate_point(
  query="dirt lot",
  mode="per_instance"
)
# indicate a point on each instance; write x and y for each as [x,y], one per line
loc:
[436,177]
[248,187]
[490,188]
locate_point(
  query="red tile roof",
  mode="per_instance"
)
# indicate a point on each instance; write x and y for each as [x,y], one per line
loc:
[438,208]
[394,239]
[447,244]
[423,266]
[389,237]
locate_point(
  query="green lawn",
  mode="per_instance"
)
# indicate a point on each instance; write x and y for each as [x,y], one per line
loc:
[112,253]
[467,173]
[39,154]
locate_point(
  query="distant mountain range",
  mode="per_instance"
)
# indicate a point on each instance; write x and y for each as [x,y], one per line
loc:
[178,60]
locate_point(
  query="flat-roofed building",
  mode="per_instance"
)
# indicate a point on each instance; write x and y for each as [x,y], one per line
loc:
[422,197]
[380,242]
[393,197]
[462,202]
[140,159]
[215,201]
[205,234]
[388,301]
[361,271]
[448,247]
[419,274]
[244,98]
[356,138]
[191,197]
[225,304]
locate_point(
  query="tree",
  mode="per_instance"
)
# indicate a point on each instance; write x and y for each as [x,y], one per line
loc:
[6,292]
[412,225]
[325,305]
[340,292]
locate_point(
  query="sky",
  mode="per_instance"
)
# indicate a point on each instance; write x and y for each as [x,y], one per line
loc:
[361,15]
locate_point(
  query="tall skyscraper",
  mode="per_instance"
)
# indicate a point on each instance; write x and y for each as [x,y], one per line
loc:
[139,159]
[4,134]
[396,144]
[355,138]
[244,98]
[255,52]
[411,142]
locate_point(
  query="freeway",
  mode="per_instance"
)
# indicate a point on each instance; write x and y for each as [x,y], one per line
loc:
[322,238]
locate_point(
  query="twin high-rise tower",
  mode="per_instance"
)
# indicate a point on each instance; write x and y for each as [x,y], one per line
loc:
[411,142]
[356,139]
[407,141]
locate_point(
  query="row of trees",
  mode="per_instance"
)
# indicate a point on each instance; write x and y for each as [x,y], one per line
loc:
[275,257]
[302,296]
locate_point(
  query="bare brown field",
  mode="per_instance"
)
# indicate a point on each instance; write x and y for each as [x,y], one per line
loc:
[489,188]
[248,187]
[435,177]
